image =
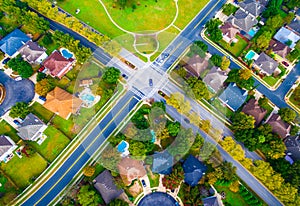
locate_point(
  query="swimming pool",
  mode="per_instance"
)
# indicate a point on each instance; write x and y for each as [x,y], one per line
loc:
[252,32]
[250,55]
[66,53]
[87,97]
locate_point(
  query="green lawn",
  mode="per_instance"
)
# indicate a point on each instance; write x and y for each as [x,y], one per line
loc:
[270,80]
[233,199]
[237,48]
[41,112]
[50,48]
[294,99]
[23,170]
[7,189]
[65,126]
[51,147]
[154,182]
[221,108]
[8,130]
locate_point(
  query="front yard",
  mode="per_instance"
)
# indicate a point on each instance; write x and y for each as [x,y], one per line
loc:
[51,147]
[236,48]
[222,108]
[23,171]
[271,80]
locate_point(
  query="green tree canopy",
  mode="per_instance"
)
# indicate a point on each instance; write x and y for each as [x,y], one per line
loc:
[242,121]
[88,197]
[287,114]
[20,109]
[216,60]
[23,68]
[111,75]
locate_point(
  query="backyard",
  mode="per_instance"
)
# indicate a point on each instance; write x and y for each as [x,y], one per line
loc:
[41,112]
[8,130]
[233,199]
[23,171]
[51,147]
[236,48]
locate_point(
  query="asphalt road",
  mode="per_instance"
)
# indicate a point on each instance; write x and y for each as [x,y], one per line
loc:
[54,185]
[16,91]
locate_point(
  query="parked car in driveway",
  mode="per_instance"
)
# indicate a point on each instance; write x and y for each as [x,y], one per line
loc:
[42,98]
[5,60]
[17,122]
[143,183]
[285,63]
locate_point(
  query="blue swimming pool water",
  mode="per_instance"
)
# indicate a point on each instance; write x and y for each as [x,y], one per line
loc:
[66,53]
[252,32]
[88,97]
[122,146]
[250,55]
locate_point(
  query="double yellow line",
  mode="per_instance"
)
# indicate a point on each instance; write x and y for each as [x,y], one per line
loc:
[85,150]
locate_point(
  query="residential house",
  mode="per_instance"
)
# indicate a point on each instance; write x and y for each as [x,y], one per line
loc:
[292,144]
[131,169]
[212,201]
[252,108]
[31,128]
[7,146]
[162,163]
[229,32]
[252,6]
[13,41]
[33,53]
[266,64]
[57,65]
[287,37]
[193,170]
[279,126]
[243,20]
[295,25]
[105,185]
[62,103]
[279,48]
[196,65]
[215,79]
[86,82]
[233,96]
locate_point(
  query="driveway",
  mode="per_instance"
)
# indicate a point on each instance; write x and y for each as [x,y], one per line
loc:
[16,91]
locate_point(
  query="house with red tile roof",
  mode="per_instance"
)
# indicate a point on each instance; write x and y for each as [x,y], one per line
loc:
[57,65]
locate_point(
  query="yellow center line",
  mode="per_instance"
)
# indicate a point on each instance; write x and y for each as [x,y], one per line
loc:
[85,150]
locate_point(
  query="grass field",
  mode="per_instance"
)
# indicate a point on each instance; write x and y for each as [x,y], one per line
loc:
[65,126]
[23,170]
[8,130]
[233,199]
[53,145]
[237,48]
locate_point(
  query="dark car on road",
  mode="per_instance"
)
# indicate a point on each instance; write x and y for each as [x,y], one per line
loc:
[285,63]
[150,82]
[143,183]
[124,76]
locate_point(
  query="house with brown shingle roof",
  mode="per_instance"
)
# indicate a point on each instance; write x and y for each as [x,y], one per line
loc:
[279,126]
[229,32]
[57,65]
[131,169]
[252,108]
[196,65]
[62,103]
[279,48]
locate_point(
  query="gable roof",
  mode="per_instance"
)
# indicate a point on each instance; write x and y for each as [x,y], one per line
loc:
[61,102]
[233,96]
[252,6]
[162,163]
[252,108]
[278,126]
[266,63]
[5,144]
[243,20]
[284,34]
[295,24]
[131,169]
[29,127]
[196,65]
[193,170]
[56,63]
[279,48]
[12,42]
[31,51]
[210,201]
[215,79]
[104,183]
[292,144]
[229,30]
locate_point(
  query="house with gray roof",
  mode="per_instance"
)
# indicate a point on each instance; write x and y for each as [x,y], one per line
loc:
[252,6]
[162,163]
[292,144]
[279,48]
[287,37]
[105,185]
[31,128]
[295,25]
[233,97]
[33,53]
[215,79]
[243,20]
[193,170]
[7,146]
[13,41]
[266,64]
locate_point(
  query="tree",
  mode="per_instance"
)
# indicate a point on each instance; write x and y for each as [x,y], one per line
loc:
[118,202]
[87,197]
[245,74]
[228,9]
[89,171]
[23,68]
[263,102]
[111,75]
[274,22]
[262,42]
[212,28]
[205,125]
[216,60]
[20,109]
[234,76]
[234,186]
[110,158]
[177,101]
[198,87]
[225,63]
[43,87]
[287,114]
[198,48]
[289,17]
[40,76]
[47,39]
[242,121]
[173,128]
